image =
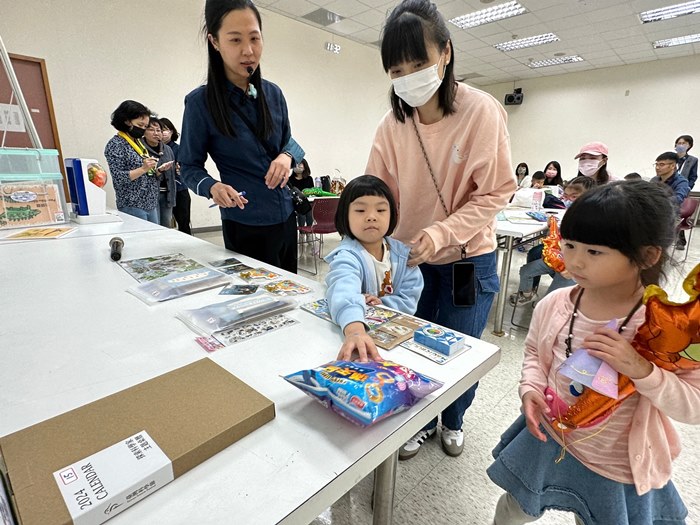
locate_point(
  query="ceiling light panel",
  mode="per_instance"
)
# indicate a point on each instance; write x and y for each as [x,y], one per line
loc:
[530,41]
[676,41]
[672,11]
[555,61]
[488,15]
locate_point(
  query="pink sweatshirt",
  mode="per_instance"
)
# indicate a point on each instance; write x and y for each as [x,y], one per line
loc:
[470,155]
[652,443]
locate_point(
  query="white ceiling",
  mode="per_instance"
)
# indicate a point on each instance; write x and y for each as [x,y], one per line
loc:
[605,33]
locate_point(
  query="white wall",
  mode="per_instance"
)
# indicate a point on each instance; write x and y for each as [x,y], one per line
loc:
[99,53]
[637,110]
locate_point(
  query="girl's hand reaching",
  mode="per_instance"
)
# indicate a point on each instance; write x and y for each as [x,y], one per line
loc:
[535,410]
[611,347]
[372,300]
[358,342]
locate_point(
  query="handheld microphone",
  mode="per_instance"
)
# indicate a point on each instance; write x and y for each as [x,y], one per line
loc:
[116,245]
[250,71]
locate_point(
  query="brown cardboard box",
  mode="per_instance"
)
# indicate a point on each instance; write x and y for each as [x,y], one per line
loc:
[191,413]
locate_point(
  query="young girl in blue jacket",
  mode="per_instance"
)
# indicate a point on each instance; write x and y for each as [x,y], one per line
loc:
[369,267]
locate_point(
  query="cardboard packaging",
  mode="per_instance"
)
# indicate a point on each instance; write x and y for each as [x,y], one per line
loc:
[439,339]
[189,414]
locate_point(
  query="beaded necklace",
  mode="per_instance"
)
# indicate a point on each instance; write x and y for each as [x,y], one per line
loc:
[574,314]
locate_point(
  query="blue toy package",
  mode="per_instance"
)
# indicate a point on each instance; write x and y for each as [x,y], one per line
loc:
[364,393]
[438,338]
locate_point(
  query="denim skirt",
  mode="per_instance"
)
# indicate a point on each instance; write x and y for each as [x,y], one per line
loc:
[525,467]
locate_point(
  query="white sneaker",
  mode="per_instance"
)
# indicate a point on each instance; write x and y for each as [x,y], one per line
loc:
[452,441]
[412,446]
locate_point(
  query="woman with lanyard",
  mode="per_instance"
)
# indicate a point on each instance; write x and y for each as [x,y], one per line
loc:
[133,169]
[444,151]
[241,121]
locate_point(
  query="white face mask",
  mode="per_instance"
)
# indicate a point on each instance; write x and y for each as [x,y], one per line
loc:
[588,167]
[417,88]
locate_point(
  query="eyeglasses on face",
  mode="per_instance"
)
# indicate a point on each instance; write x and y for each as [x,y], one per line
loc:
[664,163]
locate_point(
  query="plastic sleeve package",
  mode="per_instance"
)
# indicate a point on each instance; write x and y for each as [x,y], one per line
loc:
[223,316]
[179,284]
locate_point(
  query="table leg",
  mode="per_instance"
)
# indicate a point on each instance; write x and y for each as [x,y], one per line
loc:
[501,300]
[384,483]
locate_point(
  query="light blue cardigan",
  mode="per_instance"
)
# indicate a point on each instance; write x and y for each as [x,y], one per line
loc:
[352,274]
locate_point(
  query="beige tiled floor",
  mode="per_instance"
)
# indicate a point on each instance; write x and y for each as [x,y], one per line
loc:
[433,488]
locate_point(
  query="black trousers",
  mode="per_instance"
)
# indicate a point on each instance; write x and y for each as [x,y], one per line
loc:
[275,244]
[181,211]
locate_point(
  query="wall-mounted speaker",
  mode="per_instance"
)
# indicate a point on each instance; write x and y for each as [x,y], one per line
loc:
[515,98]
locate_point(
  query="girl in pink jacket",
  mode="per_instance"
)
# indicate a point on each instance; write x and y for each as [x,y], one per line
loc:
[614,470]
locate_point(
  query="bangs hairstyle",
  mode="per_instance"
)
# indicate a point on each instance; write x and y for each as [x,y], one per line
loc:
[626,216]
[556,180]
[408,28]
[126,111]
[361,187]
[167,123]
[688,139]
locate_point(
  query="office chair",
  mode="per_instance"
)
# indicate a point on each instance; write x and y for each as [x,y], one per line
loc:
[688,209]
[323,211]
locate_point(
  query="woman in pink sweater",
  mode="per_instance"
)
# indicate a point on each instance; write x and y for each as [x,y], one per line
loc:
[614,469]
[444,151]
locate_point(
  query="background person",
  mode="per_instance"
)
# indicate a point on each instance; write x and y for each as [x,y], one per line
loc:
[241,121]
[165,171]
[552,174]
[444,151]
[522,175]
[131,166]
[301,179]
[687,165]
[183,201]
[593,162]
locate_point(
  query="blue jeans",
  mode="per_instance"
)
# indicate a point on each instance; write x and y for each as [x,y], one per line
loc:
[435,305]
[146,215]
[533,269]
[165,212]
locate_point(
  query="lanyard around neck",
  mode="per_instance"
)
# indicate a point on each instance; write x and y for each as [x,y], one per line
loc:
[137,145]
[574,314]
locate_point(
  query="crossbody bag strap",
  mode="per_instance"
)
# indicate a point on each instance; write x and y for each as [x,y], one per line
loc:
[463,247]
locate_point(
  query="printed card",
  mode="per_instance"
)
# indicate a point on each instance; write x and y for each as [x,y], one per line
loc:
[318,308]
[150,268]
[286,287]
[258,275]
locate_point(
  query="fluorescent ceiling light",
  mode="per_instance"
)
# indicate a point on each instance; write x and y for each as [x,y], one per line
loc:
[676,41]
[555,61]
[530,41]
[672,11]
[488,15]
